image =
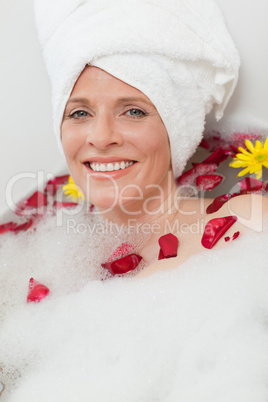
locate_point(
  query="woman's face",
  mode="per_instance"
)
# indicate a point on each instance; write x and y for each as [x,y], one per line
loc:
[115,142]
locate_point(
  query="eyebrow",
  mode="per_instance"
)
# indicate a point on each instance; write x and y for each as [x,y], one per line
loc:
[119,100]
[135,99]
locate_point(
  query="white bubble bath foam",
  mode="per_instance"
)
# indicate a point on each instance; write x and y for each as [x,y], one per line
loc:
[196,333]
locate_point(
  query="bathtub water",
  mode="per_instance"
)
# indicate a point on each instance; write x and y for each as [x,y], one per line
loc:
[196,333]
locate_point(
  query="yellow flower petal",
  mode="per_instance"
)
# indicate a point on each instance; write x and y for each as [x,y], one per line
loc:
[243,157]
[259,174]
[250,146]
[244,151]
[258,146]
[72,191]
[265,146]
[252,161]
[238,164]
[243,172]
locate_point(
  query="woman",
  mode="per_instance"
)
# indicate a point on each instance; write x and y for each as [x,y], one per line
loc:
[107,123]
[129,104]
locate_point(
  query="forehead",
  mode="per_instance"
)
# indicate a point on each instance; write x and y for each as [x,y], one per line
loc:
[93,80]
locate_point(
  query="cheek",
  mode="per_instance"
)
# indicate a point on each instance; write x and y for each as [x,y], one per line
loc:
[70,142]
[157,145]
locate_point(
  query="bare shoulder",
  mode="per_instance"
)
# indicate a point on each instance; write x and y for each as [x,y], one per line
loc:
[250,210]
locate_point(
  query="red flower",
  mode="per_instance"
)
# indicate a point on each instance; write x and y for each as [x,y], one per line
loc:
[123,265]
[215,229]
[37,291]
[208,181]
[168,246]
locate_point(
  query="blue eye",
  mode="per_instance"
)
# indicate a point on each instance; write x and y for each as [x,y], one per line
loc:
[136,113]
[78,114]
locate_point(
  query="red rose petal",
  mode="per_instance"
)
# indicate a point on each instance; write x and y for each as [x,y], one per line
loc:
[189,177]
[235,235]
[37,291]
[161,255]
[91,208]
[234,150]
[53,184]
[250,184]
[208,181]
[265,186]
[123,265]
[36,201]
[168,246]
[218,156]
[205,144]
[121,251]
[59,205]
[5,227]
[24,226]
[215,229]
[217,203]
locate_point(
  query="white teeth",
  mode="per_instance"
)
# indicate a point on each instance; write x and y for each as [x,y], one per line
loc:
[110,167]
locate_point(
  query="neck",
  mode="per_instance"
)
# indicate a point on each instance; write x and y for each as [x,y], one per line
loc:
[152,218]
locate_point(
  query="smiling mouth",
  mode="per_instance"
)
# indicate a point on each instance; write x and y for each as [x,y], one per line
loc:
[109,167]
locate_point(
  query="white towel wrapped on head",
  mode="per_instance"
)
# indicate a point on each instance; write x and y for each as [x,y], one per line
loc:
[177,52]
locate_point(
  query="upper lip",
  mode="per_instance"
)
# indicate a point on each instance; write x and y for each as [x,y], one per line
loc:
[106,159]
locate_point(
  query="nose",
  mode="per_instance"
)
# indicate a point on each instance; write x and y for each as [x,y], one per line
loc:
[103,133]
